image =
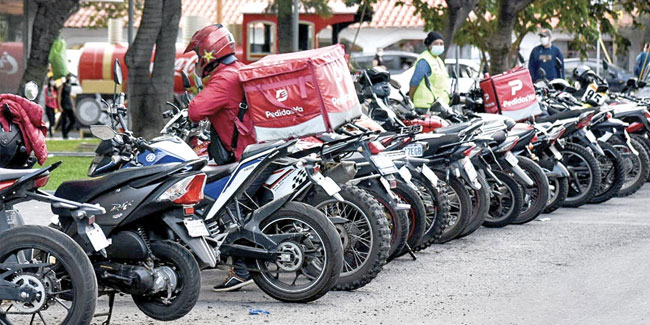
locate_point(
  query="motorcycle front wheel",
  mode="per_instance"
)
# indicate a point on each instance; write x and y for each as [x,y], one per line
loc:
[307,268]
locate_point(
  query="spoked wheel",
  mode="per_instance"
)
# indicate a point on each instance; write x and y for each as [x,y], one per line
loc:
[460,209]
[310,260]
[480,206]
[612,173]
[506,201]
[584,174]
[397,221]
[436,205]
[59,279]
[365,237]
[636,167]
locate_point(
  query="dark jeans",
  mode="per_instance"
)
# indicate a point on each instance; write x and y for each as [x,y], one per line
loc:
[67,121]
[240,268]
[49,112]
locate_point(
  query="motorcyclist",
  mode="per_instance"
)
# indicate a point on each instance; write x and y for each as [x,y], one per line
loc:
[219,102]
[430,80]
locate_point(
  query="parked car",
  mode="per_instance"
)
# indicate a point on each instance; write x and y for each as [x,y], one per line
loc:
[616,76]
[395,61]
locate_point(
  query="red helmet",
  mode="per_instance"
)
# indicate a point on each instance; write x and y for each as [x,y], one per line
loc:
[211,43]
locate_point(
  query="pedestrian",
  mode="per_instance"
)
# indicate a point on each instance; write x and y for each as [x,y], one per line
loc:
[642,62]
[546,56]
[430,80]
[378,60]
[67,106]
[219,102]
[51,104]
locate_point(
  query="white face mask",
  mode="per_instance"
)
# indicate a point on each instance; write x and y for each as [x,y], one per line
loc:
[437,49]
[545,40]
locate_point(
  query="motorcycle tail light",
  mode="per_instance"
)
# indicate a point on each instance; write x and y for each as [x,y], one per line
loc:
[608,115]
[188,190]
[584,121]
[376,147]
[468,151]
[647,114]
[41,181]
[6,184]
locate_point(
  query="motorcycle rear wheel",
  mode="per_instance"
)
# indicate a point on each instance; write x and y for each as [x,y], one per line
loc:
[480,206]
[506,201]
[460,208]
[584,174]
[318,257]
[612,170]
[536,196]
[416,216]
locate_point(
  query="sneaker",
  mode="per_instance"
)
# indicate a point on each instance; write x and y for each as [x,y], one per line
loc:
[232,283]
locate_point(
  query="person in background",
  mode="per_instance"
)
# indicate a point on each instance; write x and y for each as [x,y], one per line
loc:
[545,56]
[67,106]
[430,81]
[378,60]
[51,103]
[642,61]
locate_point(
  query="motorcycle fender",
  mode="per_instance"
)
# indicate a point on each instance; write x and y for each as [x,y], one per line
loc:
[198,245]
[559,171]
[266,210]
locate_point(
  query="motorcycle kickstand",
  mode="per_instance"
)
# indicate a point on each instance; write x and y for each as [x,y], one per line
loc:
[410,251]
[111,302]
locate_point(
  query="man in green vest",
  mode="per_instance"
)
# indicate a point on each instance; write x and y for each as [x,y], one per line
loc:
[430,81]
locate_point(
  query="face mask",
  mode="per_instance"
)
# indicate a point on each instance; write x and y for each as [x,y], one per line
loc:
[437,49]
[545,40]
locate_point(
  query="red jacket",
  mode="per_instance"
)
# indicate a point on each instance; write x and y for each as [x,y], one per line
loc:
[29,118]
[219,102]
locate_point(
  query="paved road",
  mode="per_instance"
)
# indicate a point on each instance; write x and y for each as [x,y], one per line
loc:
[581,266]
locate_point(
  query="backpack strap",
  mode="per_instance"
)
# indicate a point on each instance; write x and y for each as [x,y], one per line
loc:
[243,107]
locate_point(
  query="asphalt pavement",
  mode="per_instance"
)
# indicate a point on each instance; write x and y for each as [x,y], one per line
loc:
[589,265]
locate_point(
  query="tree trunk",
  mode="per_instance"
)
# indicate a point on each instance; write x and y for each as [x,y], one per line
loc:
[501,43]
[458,10]
[48,21]
[285,30]
[149,91]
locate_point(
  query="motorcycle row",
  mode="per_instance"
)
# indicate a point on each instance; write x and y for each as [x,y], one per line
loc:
[312,214]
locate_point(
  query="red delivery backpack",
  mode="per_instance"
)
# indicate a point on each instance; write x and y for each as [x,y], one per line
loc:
[511,94]
[298,94]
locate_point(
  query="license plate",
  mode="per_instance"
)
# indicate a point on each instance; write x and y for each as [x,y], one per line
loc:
[196,228]
[327,184]
[556,152]
[414,150]
[405,173]
[430,175]
[512,159]
[384,164]
[97,237]
[469,169]
[590,136]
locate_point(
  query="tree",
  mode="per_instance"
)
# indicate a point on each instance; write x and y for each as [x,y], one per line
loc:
[284,10]
[149,90]
[48,21]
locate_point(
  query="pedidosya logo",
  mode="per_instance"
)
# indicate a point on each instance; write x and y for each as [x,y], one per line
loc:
[519,100]
[281,95]
[284,112]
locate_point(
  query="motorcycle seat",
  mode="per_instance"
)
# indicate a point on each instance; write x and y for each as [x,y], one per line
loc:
[7,174]
[85,190]
[454,128]
[563,115]
[216,172]
[254,149]
[435,143]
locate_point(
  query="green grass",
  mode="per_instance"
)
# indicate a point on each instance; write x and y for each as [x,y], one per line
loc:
[85,145]
[72,168]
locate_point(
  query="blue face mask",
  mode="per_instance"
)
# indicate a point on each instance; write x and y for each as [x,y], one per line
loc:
[436,50]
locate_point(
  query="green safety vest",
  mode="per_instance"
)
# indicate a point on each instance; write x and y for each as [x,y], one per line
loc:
[438,80]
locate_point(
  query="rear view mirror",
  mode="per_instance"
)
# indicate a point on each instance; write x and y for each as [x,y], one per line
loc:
[605,65]
[631,82]
[103,132]
[31,90]
[395,84]
[186,80]
[198,82]
[117,72]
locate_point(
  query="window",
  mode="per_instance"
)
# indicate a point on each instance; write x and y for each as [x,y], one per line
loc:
[261,37]
[305,36]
